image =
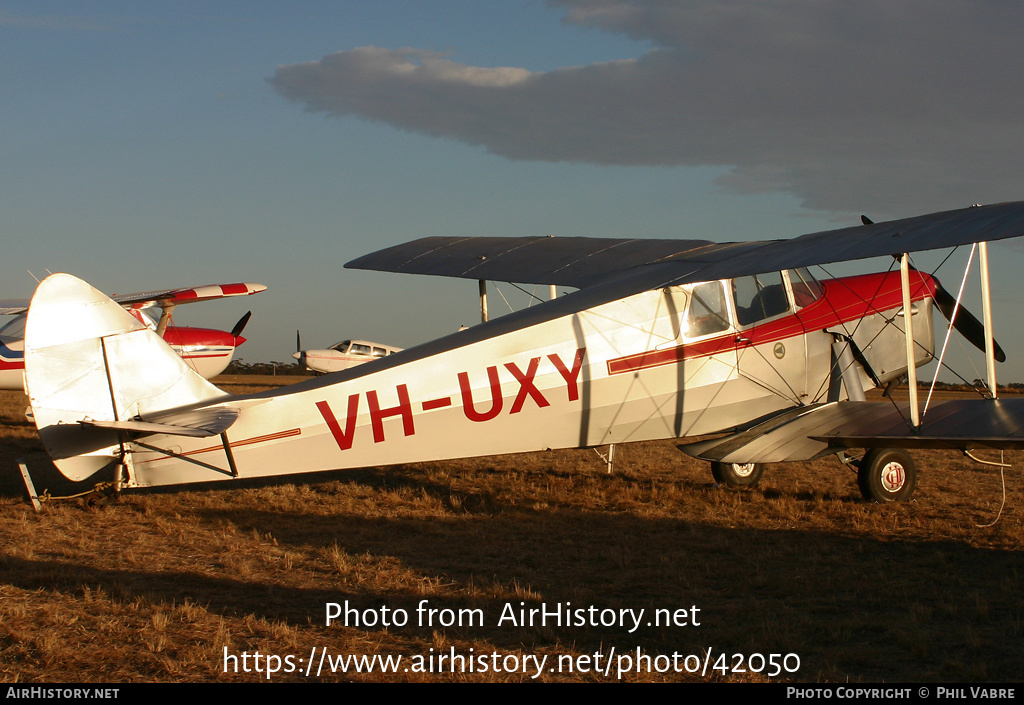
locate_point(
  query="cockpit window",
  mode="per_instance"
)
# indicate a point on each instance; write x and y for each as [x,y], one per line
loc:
[759,297]
[342,346]
[358,349]
[806,289]
[708,312]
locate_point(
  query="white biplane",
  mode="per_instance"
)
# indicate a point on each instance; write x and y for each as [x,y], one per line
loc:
[207,350]
[663,339]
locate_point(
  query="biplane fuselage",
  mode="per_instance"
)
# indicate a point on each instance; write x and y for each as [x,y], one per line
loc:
[662,339]
[678,361]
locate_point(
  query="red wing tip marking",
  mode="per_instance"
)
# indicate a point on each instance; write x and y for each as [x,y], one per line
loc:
[241,288]
[216,291]
[181,296]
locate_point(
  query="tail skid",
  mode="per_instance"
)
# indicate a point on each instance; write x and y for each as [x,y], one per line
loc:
[93,373]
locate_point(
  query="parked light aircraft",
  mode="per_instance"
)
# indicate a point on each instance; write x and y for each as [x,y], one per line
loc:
[207,350]
[343,355]
[663,339]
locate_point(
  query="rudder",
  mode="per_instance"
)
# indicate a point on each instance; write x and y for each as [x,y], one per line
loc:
[87,358]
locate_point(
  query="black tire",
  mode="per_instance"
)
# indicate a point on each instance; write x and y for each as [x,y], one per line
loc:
[737,474]
[887,475]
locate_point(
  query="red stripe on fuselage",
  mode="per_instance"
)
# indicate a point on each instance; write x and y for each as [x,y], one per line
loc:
[844,300]
[189,356]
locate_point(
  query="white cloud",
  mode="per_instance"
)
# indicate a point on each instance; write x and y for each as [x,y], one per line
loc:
[892,105]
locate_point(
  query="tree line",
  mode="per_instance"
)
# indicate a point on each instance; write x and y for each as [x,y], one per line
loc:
[241,367]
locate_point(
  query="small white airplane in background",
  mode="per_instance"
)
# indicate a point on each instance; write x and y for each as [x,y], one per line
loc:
[343,355]
[208,351]
[663,339]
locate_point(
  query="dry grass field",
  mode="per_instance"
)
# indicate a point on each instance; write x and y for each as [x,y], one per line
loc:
[159,586]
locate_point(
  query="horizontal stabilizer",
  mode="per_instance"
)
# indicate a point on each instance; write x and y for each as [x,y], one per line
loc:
[201,423]
[810,432]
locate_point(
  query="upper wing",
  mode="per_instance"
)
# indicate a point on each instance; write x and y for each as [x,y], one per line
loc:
[163,297]
[174,297]
[581,262]
[13,307]
[569,261]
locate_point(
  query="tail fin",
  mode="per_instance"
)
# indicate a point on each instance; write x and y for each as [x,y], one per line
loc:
[86,358]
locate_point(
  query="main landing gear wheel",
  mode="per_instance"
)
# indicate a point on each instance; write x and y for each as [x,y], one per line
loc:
[737,474]
[887,475]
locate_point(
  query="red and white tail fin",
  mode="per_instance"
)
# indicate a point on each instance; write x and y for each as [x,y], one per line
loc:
[87,359]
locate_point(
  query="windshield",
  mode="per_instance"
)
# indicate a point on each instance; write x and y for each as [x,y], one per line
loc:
[806,289]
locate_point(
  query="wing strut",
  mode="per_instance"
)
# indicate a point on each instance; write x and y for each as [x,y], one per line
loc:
[986,296]
[483,300]
[908,330]
[165,318]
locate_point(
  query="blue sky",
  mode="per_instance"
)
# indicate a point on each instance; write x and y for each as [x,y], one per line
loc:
[151,144]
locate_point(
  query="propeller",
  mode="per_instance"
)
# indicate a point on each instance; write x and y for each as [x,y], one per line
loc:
[240,326]
[298,347]
[964,322]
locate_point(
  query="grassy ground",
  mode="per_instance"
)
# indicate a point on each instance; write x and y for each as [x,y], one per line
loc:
[158,586]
